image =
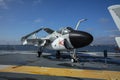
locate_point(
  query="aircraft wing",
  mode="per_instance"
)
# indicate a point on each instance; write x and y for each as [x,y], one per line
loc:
[48,30]
[28,35]
[36,41]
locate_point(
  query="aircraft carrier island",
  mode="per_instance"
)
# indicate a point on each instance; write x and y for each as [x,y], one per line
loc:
[25,65]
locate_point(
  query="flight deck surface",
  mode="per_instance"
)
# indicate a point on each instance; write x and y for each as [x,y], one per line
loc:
[24,65]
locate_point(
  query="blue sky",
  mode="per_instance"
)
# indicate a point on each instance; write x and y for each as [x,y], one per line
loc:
[20,17]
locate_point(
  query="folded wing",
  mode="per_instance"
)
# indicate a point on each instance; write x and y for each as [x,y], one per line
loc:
[36,41]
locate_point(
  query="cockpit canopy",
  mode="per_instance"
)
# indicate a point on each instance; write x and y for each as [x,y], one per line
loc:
[65,30]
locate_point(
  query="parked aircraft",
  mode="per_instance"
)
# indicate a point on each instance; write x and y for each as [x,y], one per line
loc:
[64,39]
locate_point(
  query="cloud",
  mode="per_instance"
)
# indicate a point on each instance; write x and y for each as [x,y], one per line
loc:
[38,20]
[0,17]
[115,30]
[104,20]
[3,4]
[9,42]
[114,35]
[104,40]
[35,2]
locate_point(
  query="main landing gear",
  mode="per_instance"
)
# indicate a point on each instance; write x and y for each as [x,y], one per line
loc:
[58,55]
[39,53]
[73,55]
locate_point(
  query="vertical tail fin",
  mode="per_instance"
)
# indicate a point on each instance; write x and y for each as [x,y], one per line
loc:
[117,39]
[115,13]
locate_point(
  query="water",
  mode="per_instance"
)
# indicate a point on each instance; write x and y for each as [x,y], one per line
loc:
[99,48]
[18,47]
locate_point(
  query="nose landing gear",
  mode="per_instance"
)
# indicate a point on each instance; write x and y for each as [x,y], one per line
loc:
[73,55]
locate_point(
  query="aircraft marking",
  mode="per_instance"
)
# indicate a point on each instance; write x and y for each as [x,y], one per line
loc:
[61,42]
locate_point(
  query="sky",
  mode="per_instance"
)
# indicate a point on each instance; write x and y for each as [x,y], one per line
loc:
[20,17]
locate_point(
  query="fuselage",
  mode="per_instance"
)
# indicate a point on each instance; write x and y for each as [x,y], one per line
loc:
[69,38]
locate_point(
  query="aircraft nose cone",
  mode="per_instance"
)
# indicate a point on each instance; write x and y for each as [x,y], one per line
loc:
[80,39]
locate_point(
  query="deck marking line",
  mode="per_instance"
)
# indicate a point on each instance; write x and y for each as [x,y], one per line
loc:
[79,73]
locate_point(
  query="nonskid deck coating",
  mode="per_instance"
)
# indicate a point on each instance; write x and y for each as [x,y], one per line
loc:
[54,70]
[79,73]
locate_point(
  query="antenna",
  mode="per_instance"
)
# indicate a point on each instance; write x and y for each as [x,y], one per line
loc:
[81,20]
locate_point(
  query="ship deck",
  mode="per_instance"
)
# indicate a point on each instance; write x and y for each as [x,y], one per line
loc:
[24,65]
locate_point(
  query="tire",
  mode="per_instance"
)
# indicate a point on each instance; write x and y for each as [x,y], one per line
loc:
[39,54]
[73,61]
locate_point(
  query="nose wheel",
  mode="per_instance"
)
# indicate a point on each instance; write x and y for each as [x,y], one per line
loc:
[74,58]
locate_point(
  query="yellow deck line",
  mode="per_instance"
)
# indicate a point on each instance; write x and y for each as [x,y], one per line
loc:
[79,73]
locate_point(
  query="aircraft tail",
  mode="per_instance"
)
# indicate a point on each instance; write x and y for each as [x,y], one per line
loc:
[117,39]
[115,13]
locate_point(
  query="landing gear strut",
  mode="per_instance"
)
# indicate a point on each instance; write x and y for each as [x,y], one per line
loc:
[74,56]
[40,50]
[39,53]
[58,55]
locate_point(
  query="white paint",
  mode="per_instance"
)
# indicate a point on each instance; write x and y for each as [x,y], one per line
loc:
[58,44]
[117,39]
[4,66]
[115,13]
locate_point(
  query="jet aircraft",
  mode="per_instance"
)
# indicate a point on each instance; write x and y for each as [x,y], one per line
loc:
[68,39]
